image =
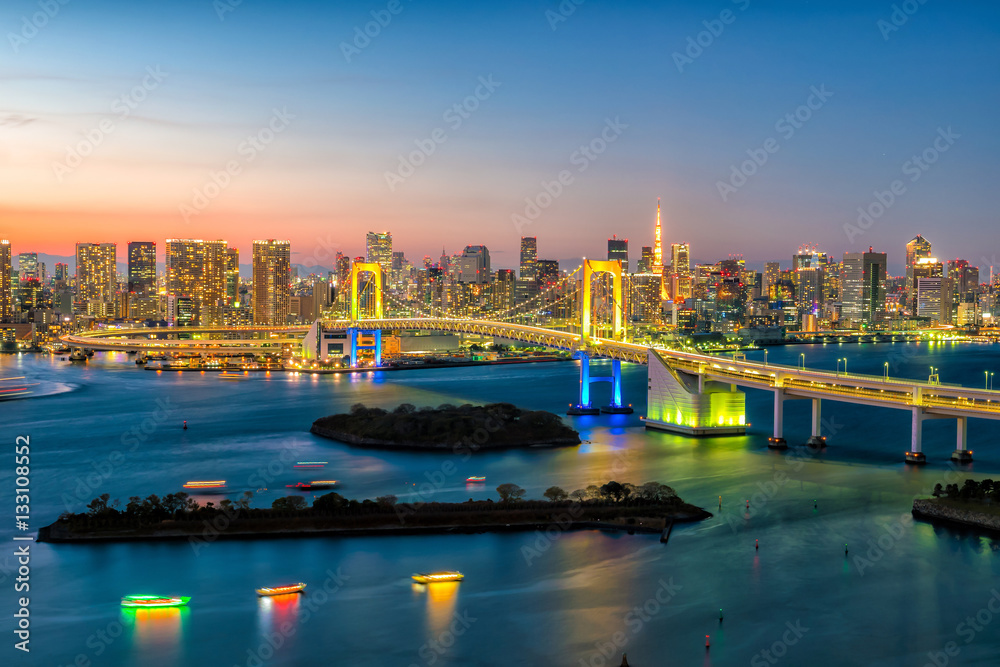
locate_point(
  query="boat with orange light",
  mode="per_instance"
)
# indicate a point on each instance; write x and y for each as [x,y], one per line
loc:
[311,486]
[215,485]
[281,590]
[226,375]
[437,577]
[153,601]
[475,480]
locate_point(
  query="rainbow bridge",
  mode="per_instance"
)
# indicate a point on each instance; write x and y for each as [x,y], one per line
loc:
[687,392]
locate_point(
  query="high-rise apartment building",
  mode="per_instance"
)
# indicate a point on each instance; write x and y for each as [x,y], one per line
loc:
[6,293]
[232,276]
[272,266]
[142,268]
[196,279]
[96,278]
[618,249]
[379,246]
[864,287]
[529,255]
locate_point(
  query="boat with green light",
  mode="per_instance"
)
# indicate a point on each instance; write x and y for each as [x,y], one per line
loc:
[153,601]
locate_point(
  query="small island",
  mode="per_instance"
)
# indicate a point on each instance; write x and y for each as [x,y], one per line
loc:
[975,504]
[650,508]
[466,428]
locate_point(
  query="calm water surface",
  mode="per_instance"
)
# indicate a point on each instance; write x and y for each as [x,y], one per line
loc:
[904,590]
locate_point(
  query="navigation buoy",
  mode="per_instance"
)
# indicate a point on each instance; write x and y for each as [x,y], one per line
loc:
[720,614]
[707,643]
[845,548]
[720,502]
[748,504]
[756,545]
[185,425]
[815,504]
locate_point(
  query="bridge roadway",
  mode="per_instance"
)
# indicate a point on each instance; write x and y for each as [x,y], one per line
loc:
[934,399]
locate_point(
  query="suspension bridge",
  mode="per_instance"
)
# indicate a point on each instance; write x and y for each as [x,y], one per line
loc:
[687,392]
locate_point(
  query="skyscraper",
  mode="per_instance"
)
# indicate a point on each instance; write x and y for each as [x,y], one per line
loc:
[27,266]
[618,249]
[680,261]
[504,290]
[96,278]
[142,268]
[645,264]
[474,265]
[6,293]
[917,249]
[529,255]
[379,245]
[196,279]
[772,274]
[864,287]
[232,276]
[272,281]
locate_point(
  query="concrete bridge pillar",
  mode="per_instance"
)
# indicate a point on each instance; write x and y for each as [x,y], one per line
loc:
[962,453]
[817,439]
[916,454]
[777,441]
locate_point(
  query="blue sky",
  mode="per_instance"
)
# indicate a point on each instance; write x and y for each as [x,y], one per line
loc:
[322,181]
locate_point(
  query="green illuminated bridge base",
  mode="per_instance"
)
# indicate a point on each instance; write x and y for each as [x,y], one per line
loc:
[687,392]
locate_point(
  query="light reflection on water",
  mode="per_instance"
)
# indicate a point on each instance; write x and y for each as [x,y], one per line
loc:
[576,592]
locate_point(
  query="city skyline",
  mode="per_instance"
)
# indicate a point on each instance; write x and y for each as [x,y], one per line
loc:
[317,167]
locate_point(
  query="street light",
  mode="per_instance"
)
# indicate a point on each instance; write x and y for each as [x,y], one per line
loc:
[765,356]
[802,358]
[887,371]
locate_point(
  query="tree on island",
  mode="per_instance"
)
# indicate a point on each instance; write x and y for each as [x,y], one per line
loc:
[510,492]
[579,495]
[555,494]
[389,500]
[292,503]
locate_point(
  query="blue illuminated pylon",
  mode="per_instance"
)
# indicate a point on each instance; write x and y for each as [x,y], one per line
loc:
[355,334]
[584,407]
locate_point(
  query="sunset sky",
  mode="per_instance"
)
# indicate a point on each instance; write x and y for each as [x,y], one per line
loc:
[198,81]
